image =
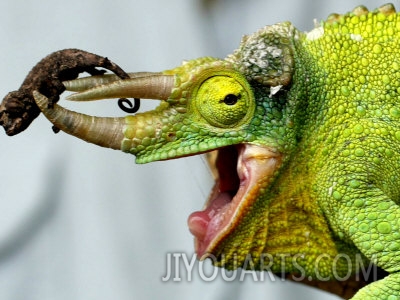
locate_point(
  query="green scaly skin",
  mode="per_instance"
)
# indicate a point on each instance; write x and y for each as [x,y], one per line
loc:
[325,103]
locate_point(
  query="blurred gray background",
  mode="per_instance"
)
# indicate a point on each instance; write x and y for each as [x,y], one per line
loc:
[81,222]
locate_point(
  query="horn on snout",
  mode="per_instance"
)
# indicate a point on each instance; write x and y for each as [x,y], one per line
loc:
[107,131]
[85,83]
[103,131]
[142,85]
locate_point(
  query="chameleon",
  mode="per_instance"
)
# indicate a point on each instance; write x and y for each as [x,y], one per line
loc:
[305,131]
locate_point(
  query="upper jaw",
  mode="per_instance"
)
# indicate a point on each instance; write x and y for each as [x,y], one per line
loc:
[243,170]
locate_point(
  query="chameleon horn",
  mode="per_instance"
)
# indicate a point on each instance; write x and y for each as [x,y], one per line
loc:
[154,86]
[85,83]
[102,131]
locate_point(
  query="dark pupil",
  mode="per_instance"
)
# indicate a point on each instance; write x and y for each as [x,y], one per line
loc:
[231,99]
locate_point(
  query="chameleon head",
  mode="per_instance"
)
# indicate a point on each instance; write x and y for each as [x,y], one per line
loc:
[206,104]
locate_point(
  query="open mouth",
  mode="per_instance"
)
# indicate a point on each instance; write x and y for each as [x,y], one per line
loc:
[242,171]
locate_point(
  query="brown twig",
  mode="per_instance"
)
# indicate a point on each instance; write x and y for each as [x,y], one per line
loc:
[18,108]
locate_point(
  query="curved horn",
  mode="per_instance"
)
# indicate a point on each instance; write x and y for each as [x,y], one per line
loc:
[148,87]
[102,131]
[85,83]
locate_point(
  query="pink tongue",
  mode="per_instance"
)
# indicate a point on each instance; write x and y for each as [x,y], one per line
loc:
[199,221]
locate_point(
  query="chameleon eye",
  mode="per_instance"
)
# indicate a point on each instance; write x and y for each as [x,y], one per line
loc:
[224,100]
[231,99]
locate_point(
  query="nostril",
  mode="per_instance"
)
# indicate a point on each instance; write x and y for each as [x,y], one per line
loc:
[171,136]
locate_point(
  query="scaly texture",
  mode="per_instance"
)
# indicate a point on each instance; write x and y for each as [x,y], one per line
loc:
[307,132]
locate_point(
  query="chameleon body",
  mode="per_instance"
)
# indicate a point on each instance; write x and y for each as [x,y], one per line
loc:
[307,132]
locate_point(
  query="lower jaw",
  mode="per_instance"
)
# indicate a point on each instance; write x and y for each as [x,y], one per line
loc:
[222,211]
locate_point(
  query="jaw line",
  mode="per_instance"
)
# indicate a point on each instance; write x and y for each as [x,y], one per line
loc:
[222,213]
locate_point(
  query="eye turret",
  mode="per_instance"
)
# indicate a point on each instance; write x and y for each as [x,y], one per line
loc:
[225,100]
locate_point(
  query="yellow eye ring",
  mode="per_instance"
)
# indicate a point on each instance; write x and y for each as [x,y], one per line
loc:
[224,99]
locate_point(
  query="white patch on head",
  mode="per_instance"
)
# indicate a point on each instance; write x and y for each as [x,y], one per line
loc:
[274,89]
[260,56]
[275,52]
[316,23]
[315,34]
[356,37]
[330,189]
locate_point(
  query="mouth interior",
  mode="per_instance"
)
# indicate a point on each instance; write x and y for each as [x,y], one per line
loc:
[218,210]
[226,164]
[242,171]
